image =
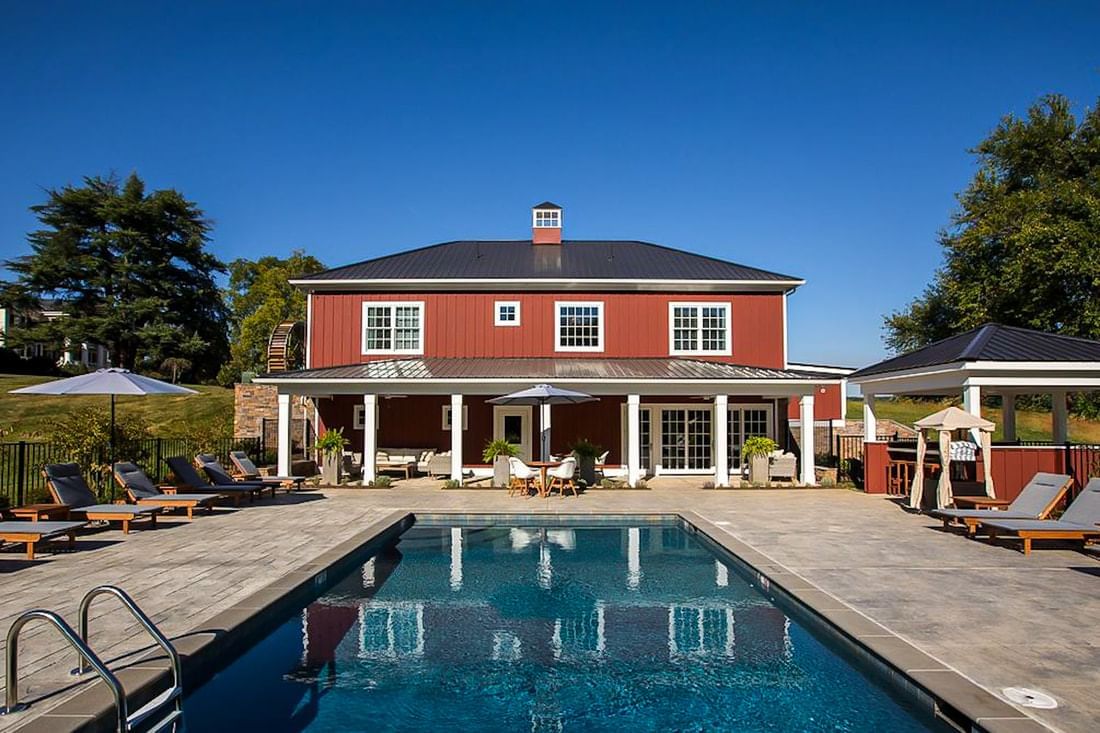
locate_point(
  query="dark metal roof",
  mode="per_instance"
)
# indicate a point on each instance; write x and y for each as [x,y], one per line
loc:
[545,369]
[546,205]
[991,342]
[573,259]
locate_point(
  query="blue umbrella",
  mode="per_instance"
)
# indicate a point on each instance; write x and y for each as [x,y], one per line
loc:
[544,394]
[112,382]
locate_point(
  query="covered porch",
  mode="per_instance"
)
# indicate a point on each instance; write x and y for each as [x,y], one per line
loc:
[998,361]
[654,417]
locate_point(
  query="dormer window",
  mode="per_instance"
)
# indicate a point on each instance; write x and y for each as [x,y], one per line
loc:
[547,218]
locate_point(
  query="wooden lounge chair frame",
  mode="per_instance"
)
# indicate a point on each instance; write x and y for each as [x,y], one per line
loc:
[237,494]
[1027,535]
[1088,501]
[34,536]
[126,519]
[258,486]
[167,499]
[287,482]
[972,523]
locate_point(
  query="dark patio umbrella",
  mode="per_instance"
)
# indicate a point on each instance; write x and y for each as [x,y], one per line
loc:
[106,381]
[544,394]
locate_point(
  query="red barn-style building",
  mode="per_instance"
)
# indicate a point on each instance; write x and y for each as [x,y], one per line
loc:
[686,353]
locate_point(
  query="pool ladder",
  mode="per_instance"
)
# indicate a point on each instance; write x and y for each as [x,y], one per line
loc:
[88,660]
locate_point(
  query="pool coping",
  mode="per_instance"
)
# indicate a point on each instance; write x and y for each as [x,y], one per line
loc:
[955,699]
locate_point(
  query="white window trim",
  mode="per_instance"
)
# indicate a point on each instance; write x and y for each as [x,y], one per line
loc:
[558,305]
[418,304]
[535,218]
[357,421]
[465,417]
[503,303]
[672,306]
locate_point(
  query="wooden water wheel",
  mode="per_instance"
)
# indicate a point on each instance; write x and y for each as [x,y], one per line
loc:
[286,347]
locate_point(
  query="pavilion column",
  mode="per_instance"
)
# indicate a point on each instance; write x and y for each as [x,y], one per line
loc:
[633,439]
[1059,428]
[721,441]
[283,429]
[456,437]
[870,421]
[972,403]
[1008,415]
[370,437]
[806,442]
[544,432]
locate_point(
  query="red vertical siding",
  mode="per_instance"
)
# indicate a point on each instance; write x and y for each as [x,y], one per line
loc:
[827,404]
[875,460]
[1013,467]
[461,324]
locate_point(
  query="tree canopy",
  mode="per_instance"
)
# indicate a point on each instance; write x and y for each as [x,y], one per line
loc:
[259,298]
[1023,249]
[131,270]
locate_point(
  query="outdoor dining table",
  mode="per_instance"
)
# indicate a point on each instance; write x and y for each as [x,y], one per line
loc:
[542,466]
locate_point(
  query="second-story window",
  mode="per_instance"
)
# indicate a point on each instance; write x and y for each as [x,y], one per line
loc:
[393,328]
[578,327]
[699,328]
[506,313]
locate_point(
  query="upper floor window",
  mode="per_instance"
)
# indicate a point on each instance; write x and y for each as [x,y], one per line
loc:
[506,313]
[393,328]
[699,329]
[547,218]
[578,327]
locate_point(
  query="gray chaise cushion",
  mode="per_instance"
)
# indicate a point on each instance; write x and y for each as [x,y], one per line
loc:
[218,475]
[1031,503]
[1082,514]
[248,468]
[188,475]
[46,529]
[69,484]
[141,486]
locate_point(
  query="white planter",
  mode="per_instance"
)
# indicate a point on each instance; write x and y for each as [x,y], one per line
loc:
[758,470]
[331,469]
[502,473]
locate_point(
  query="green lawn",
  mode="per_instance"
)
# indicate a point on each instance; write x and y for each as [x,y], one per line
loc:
[29,417]
[1029,425]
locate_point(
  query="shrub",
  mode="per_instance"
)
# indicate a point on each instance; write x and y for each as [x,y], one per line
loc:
[381,482]
[828,482]
[332,442]
[757,445]
[452,484]
[84,437]
[708,484]
[498,447]
[585,448]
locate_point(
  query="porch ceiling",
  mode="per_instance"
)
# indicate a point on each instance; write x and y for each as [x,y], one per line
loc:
[597,376]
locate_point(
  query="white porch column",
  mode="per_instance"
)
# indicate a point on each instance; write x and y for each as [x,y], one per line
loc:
[972,403]
[633,439]
[370,437]
[1059,428]
[456,437]
[806,441]
[283,435]
[870,421]
[1008,415]
[721,441]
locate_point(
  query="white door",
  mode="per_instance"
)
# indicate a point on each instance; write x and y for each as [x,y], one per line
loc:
[513,423]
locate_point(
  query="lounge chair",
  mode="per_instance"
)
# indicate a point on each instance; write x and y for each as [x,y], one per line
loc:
[218,476]
[187,477]
[69,487]
[143,492]
[248,471]
[35,533]
[1035,501]
[1079,522]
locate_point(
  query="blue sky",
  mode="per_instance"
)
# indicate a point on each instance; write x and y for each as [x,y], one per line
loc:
[824,140]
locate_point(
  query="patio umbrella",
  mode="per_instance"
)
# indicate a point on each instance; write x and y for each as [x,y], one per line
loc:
[543,395]
[110,382]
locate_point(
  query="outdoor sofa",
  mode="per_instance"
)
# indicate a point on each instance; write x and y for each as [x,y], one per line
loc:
[1035,501]
[1080,521]
[187,477]
[143,492]
[68,487]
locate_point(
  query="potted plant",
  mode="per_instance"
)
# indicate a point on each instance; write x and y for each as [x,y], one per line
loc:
[497,452]
[331,444]
[755,451]
[586,452]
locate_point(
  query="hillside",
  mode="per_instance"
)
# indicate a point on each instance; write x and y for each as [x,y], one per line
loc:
[1030,425]
[28,417]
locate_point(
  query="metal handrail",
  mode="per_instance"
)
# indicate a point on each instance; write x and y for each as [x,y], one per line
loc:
[11,666]
[137,613]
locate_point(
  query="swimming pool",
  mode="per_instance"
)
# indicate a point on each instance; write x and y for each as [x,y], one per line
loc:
[547,628]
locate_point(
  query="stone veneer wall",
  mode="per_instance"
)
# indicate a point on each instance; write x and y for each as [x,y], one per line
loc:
[253,403]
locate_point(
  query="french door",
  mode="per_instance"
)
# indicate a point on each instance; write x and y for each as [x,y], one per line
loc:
[745,423]
[686,439]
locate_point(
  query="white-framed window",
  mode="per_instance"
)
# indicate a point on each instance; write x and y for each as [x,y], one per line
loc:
[578,326]
[447,417]
[506,313]
[696,329]
[393,327]
[547,219]
[357,421]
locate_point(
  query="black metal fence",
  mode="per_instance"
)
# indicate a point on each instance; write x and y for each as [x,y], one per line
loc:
[21,480]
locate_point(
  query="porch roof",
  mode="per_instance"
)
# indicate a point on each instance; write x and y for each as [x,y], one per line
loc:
[620,371]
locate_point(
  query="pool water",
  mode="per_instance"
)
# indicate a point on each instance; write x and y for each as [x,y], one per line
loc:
[544,629]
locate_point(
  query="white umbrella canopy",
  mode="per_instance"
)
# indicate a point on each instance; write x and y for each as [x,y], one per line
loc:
[111,381]
[544,395]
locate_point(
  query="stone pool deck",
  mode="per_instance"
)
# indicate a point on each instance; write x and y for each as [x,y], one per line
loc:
[995,616]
